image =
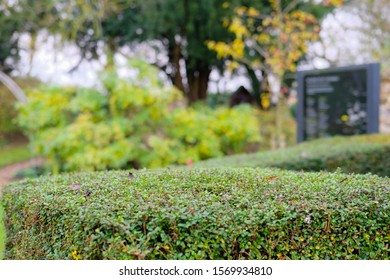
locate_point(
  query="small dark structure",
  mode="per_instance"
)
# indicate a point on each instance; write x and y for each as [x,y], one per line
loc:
[240,96]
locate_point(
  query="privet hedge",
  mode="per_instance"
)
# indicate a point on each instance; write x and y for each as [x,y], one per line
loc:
[354,154]
[199,214]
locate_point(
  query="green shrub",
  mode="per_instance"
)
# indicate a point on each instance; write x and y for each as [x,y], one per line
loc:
[199,214]
[132,123]
[30,172]
[8,113]
[2,233]
[204,133]
[353,154]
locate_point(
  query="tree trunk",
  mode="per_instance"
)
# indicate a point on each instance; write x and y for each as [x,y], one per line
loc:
[198,80]
[275,82]
[174,54]
[256,86]
[203,83]
[197,74]
[193,84]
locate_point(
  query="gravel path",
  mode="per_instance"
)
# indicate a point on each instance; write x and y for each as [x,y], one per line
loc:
[7,172]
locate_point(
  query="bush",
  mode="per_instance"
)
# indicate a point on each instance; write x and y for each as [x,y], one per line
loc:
[267,119]
[2,233]
[352,154]
[132,123]
[198,214]
[8,113]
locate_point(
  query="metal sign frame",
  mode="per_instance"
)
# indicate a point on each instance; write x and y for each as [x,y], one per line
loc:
[373,93]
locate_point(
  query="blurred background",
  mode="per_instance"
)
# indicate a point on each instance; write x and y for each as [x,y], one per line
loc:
[99,85]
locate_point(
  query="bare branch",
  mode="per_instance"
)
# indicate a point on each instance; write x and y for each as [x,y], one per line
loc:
[259,49]
[290,6]
[13,87]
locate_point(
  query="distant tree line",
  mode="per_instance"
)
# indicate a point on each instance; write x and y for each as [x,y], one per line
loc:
[182,28]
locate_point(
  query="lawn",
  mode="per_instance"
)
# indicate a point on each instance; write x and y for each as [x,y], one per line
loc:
[11,154]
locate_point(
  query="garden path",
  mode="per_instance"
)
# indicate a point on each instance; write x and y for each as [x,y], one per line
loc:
[7,172]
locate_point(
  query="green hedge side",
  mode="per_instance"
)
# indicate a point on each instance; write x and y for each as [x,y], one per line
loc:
[2,233]
[199,214]
[354,154]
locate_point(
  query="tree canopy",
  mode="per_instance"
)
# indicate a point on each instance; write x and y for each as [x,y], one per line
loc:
[8,42]
[180,27]
[273,40]
[374,29]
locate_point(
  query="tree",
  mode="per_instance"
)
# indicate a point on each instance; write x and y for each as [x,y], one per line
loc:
[271,42]
[181,28]
[75,21]
[8,41]
[372,28]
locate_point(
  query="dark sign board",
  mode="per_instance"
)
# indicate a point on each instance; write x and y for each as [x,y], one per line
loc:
[338,101]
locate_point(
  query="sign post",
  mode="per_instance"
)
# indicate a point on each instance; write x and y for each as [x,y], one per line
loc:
[338,101]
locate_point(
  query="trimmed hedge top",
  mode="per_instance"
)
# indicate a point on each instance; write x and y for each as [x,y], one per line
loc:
[354,154]
[199,214]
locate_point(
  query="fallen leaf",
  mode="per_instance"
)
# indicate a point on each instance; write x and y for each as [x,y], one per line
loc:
[75,187]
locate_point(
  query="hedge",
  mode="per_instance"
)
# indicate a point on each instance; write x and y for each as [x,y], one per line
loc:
[240,213]
[2,233]
[353,154]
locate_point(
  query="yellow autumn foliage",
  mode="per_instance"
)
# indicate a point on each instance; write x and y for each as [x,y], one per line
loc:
[238,28]
[281,38]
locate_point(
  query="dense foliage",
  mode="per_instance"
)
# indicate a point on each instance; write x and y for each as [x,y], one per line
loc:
[9,52]
[131,123]
[101,26]
[199,214]
[354,154]
[8,112]
[2,233]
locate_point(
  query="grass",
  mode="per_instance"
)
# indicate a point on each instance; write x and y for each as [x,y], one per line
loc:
[12,154]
